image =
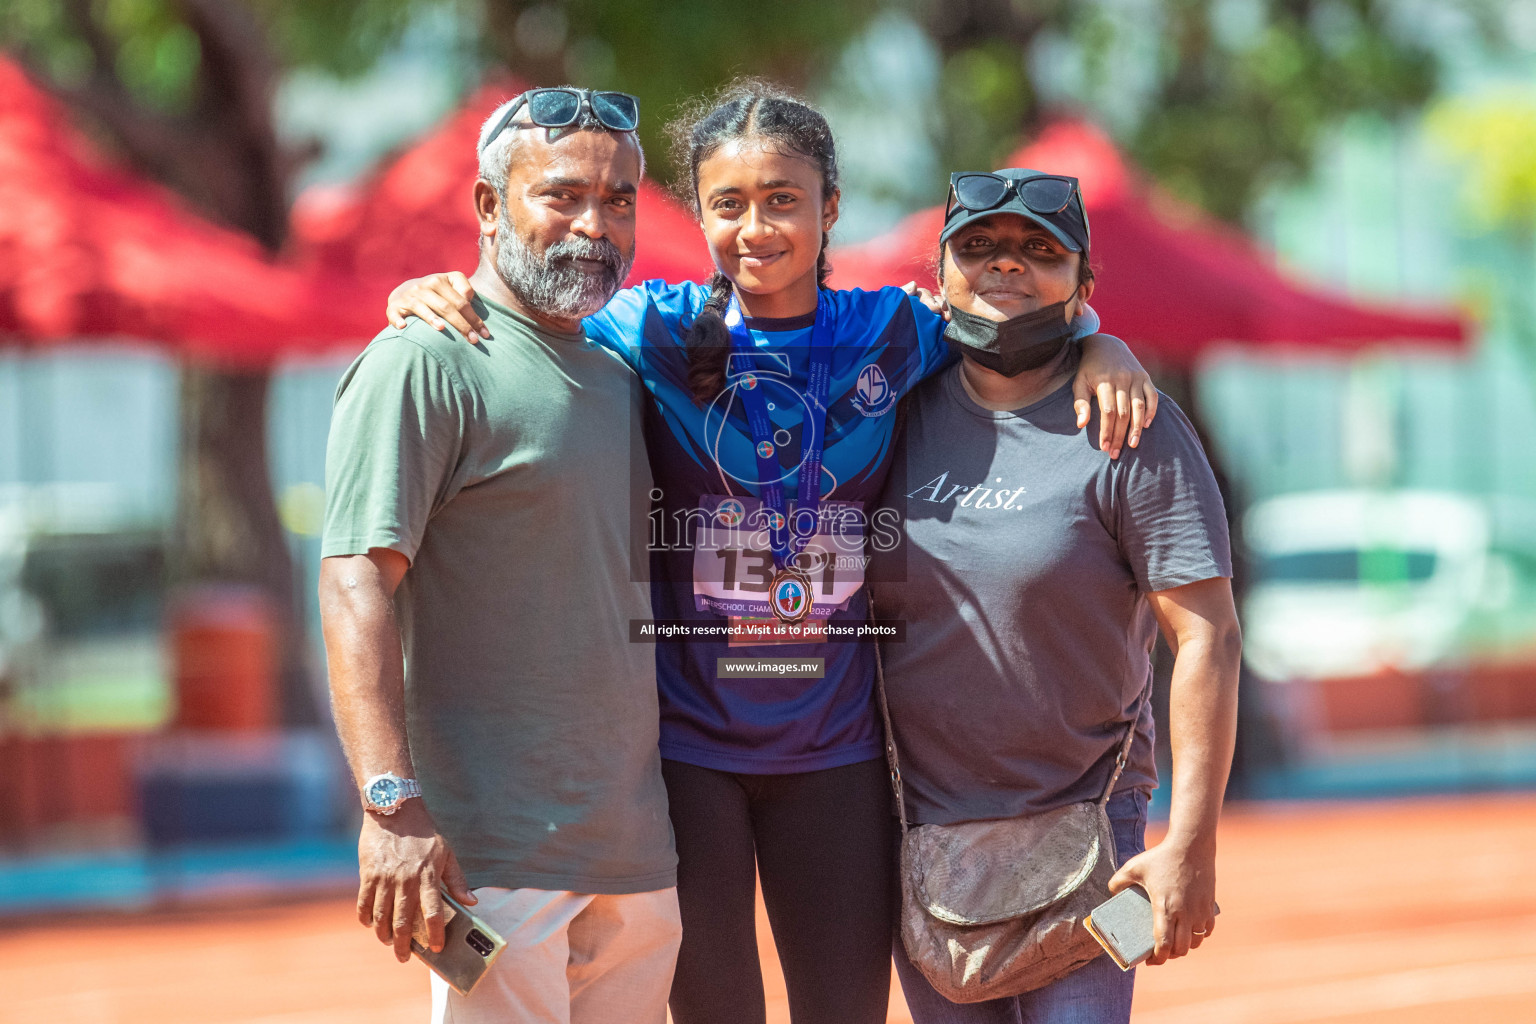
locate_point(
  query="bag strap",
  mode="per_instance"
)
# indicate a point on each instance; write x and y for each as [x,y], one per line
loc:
[1124,754]
[892,761]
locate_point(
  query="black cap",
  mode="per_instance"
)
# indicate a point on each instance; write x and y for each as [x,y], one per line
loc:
[1069,225]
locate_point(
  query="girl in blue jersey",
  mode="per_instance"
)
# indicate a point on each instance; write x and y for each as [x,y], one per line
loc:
[772,753]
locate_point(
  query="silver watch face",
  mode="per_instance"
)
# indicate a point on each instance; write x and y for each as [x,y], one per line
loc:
[384,792]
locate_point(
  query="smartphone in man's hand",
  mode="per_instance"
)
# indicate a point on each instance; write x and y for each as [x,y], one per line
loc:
[470,946]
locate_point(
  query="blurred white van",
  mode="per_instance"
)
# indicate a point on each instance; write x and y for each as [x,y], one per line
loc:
[1357,585]
[1350,582]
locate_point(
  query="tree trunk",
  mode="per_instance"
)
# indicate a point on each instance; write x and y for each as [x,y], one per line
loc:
[228,530]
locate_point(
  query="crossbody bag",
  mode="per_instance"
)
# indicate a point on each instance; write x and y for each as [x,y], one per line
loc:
[995,908]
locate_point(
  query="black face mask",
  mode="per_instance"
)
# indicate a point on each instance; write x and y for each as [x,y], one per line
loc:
[1013,346]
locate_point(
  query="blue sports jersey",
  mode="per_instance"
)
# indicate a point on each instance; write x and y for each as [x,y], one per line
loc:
[885,342]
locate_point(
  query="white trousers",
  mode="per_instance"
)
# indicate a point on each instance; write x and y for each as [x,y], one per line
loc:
[571,958]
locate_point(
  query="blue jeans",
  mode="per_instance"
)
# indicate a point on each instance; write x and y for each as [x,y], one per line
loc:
[1096,993]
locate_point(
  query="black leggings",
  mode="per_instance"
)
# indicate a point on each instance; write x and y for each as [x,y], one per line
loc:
[821,844]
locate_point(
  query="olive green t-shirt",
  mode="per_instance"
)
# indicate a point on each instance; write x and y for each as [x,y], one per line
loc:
[512,474]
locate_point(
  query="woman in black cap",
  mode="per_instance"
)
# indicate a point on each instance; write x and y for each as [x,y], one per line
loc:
[1032,579]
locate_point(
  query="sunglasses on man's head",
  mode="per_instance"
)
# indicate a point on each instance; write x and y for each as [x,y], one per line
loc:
[979,190]
[559,108]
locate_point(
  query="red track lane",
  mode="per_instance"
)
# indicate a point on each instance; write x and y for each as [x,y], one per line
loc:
[1410,912]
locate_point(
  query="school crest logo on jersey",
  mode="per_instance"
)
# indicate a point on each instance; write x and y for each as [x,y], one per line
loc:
[873,395]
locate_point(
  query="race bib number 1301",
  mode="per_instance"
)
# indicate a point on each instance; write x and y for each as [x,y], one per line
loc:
[733,563]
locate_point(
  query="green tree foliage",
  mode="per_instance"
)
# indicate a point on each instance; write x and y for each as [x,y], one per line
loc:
[128,62]
[667,52]
[184,87]
[1216,98]
[1492,137]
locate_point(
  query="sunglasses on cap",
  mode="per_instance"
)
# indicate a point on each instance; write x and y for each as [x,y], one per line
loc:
[980,190]
[559,108]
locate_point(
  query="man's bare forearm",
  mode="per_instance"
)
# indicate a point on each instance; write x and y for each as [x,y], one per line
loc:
[401,857]
[367,668]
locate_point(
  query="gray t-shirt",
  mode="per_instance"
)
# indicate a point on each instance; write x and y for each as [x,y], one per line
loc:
[1028,555]
[512,474]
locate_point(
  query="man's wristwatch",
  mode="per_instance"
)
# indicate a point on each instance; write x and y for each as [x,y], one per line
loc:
[385,793]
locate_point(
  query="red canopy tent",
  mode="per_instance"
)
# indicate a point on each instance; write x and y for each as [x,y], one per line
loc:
[415,215]
[1171,279]
[88,249]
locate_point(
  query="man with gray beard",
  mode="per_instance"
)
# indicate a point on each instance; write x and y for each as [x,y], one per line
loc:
[481,516]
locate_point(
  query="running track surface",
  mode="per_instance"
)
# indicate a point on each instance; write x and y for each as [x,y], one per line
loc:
[1410,912]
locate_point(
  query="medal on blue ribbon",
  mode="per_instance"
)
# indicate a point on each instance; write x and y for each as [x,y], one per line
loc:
[790,593]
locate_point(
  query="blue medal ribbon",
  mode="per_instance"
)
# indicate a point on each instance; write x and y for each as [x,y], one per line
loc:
[787,537]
